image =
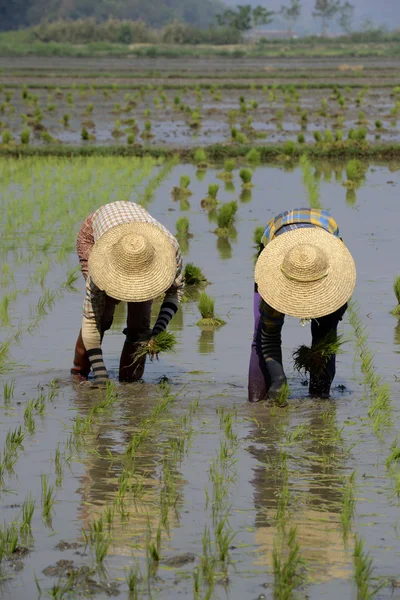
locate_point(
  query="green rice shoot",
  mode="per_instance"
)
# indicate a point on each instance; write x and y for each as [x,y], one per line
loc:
[206,307]
[396,289]
[226,218]
[316,358]
[182,227]
[246,176]
[257,235]
[194,275]
[163,343]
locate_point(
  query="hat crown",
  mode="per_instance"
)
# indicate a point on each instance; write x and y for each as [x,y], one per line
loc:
[132,253]
[305,263]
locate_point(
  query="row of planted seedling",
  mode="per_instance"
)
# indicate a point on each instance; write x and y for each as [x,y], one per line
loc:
[35,115]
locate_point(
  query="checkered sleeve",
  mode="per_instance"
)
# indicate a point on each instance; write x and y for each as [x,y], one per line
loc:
[84,244]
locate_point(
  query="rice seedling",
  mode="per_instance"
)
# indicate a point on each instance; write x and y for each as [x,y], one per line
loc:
[355,174]
[211,200]
[288,567]
[246,176]
[257,236]
[316,358]
[132,579]
[8,391]
[29,420]
[328,136]
[283,396]
[301,138]
[229,165]
[206,307]
[348,504]
[225,219]
[253,156]
[6,136]
[182,228]
[28,508]
[25,136]
[193,275]
[47,498]
[363,570]
[182,191]
[130,139]
[396,288]
[317,136]
[162,343]
[200,158]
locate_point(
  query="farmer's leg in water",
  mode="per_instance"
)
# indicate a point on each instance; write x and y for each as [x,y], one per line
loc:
[138,329]
[320,384]
[82,365]
[266,356]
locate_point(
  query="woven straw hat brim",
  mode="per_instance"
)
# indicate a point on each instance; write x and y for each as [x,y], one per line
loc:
[306,300]
[144,283]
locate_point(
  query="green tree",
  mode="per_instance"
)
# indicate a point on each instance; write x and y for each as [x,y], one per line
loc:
[244,17]
[326,10]
[346,13]
[291,13]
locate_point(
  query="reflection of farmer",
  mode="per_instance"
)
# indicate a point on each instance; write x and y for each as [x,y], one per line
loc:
[125,255]
[304,270]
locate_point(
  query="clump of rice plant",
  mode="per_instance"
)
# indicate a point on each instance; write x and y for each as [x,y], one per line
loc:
[355,173]
[246,176]
[182,228]
[6,136]
[147,133]
[130,139]
[378,124]
[301,138]
[211,200]
[162,343]
[316,358]
[257,235]
[289,148]
[206,307]
[84,134]
[318,136]
[226,218]
[25,136]
[253,156]
[200,158]
[193,275]
[328,136]
[396,289]
[66,119]
[182,191]
[229,165]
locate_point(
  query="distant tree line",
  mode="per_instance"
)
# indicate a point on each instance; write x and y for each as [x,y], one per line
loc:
[168,21]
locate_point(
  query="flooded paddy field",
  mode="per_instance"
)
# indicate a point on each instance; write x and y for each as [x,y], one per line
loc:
[149,104]
[176,487]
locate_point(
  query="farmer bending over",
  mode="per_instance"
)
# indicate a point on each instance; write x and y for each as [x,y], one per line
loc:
[125,255]
[303,270]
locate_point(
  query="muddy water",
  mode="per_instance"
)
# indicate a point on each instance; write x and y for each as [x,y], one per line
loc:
[336,436]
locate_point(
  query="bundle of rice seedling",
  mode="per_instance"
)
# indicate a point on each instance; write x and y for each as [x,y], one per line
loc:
[316,358]
[226,218]
[257,235]
[396,289]
[229,165]
[182,228]
[211,200]
[200,158]
[355,173]
[246,176]
[206,308]
[183,190]
[162,343]
[194,275]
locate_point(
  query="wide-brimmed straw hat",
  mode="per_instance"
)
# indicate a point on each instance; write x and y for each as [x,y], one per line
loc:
[306,273]
[133,262]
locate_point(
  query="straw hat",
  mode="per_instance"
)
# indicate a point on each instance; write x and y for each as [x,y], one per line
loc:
[133,262]
[305,273]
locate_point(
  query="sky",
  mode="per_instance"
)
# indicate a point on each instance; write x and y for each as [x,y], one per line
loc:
[382,12]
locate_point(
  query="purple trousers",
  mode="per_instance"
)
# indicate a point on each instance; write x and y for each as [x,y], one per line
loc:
[258,375]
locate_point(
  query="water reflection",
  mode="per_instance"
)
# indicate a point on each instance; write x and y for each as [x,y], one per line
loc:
[245,196]
[224,248]
[397,336]
[229,186]
[351,197]
[206,341]
[310,470]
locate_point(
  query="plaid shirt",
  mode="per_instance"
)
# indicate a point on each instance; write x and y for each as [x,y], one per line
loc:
[106,217]
[272,320]
[298,216]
